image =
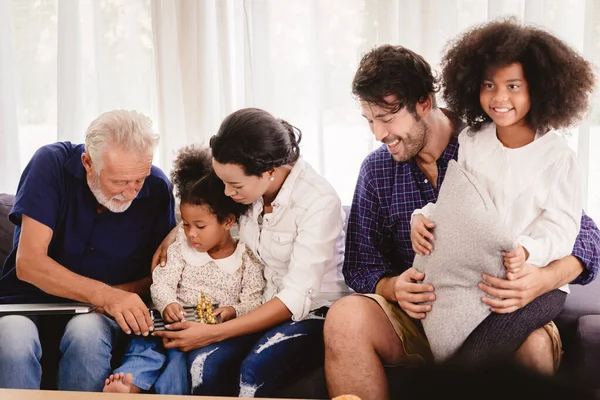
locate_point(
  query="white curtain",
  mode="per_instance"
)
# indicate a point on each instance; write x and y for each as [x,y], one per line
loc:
[9,129]
[62,63]
[304,55]
[189,63]
[199,69]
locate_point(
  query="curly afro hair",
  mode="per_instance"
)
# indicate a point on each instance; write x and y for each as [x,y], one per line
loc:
[196,183]
[559,79]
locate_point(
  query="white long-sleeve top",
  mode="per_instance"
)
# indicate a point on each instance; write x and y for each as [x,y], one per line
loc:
[536,189]
[235,281]
[301,243]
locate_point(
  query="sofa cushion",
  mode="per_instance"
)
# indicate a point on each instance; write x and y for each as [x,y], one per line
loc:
[469,240]
[583,300]
[6,227]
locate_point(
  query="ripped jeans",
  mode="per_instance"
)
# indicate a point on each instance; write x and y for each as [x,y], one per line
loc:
[257,365]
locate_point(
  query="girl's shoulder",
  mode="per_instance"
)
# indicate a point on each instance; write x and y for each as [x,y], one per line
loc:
[485,134]
[554,144]
[247,253]
[180,240]
[179,243]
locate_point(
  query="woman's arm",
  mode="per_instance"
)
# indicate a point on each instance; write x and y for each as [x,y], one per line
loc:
[268,315]
[188,336]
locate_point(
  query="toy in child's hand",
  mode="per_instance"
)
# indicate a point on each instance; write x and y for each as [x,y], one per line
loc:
[202,313]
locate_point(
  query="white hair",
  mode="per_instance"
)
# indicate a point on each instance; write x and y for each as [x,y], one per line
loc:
[126,130]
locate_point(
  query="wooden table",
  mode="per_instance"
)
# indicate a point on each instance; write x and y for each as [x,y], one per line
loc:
[19,394]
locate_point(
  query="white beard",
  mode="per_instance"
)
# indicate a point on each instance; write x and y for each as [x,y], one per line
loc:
[110,204]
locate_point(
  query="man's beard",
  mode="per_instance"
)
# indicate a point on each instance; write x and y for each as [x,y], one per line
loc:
[414,142]
[110,204]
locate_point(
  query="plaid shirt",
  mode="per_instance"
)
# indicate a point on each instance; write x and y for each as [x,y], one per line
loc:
[378,233]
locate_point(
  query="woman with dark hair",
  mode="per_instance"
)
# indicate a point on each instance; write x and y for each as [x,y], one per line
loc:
[294,225]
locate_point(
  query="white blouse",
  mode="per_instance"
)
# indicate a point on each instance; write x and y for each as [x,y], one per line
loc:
[536,189]
[301,243]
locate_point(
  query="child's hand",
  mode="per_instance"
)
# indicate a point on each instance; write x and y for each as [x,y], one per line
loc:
[174,312]
[226,313]
[420,235]
[515,260]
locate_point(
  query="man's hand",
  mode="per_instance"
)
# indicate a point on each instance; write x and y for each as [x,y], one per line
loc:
[160,255]
[226,313]
[128,310]
[513,293]
[174,312]
[420,234]
[405,290]
[514,261]
[187,336]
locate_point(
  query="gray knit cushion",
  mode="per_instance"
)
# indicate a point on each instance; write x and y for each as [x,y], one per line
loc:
[469,240]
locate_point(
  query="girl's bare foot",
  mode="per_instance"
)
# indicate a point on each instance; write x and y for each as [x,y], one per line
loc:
[120,383]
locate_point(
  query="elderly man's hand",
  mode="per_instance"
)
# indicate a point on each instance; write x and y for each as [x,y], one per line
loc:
[128,310]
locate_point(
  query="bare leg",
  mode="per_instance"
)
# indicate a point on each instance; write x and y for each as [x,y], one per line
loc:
[359,340]
[537,353]
[120,383]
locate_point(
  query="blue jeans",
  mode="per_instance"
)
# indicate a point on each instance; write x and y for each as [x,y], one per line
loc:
[152,366]
[215,369]
[257,365]
[86,342]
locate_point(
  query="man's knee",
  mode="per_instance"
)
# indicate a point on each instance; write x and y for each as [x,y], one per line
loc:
[539,353]
[347,319]
[538,342]
[19,339]
[88,333]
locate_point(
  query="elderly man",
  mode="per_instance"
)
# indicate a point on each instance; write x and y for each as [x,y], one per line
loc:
[88,218]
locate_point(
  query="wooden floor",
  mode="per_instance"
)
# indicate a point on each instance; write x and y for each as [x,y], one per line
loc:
[19,394]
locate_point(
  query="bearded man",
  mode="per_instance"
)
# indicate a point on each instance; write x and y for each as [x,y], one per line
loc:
[88,219]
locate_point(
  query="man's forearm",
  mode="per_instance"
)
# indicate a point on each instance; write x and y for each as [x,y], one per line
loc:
[140,287]
[53,278]
[385,288]
[561,272]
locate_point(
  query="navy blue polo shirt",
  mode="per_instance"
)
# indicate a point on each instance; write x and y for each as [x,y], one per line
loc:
[113,248]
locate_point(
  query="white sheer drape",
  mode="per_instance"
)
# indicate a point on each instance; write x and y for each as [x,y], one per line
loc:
[105,61]
[189,63]
[77,95]
[199,58]
[9,129]
[301,57]
[62,63]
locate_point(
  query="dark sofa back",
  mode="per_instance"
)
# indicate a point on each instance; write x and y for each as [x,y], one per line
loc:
[6,227]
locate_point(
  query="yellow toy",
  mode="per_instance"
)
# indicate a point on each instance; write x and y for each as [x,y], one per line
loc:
[204,310]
